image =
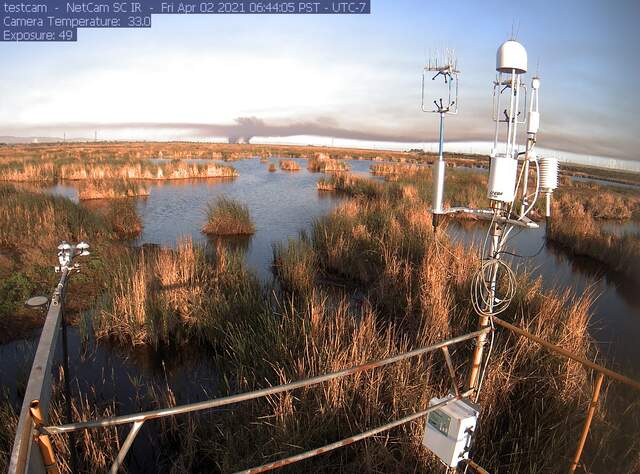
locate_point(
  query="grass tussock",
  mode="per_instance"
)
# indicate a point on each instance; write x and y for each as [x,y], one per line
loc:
[145,171]
[597,201]
[289,165]
[118,189]
[394,169]
[351,185]
[226,216]
[325,164]
[272,168]
[124,219]
[582,235]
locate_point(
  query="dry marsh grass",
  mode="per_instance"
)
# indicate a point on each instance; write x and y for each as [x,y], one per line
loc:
[597,201]
[583,236]
[111,190]
[108,163]
[392,169]
[351,185]
[152,294]
[289,165]
[324,164]
[226,216]
[145,171]
[165,296]
[294,265]
[31,228]
[124,219]
[8,426]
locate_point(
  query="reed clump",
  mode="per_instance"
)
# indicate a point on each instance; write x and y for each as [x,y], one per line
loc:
[226,216]
[583,236]
[117,189]
[124,219]
[324,164]
[351,185]
[289,165]
[272,168]
[116,165]
[597,201]
[394,169]
[325,185]
[151,295]
[8,426]
[27,170]
[143,170]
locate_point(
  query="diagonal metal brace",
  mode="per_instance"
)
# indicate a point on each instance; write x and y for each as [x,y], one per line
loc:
[125,446]
[452,373]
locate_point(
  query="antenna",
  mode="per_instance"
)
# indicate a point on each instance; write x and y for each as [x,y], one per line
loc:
[445,71]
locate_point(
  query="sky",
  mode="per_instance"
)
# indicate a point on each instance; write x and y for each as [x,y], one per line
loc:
[345,77]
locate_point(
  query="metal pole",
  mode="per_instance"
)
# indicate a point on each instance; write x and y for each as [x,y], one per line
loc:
[587,423]
[218,402]
[524,204]
[452,372]
[497,113]
[438,178]
[441,144]
[483,322]
[126,446]
[346,442]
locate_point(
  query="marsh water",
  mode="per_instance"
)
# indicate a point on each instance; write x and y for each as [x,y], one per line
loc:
[282,204]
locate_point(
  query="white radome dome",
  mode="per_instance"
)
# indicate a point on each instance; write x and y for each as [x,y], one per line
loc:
[511,56]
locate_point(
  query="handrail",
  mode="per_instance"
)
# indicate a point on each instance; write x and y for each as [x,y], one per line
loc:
[241,397]
[25,452]
[553,348]
[347,441]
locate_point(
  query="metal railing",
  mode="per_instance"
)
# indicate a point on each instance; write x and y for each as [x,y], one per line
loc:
[32,450]
[25,455]
[138,419]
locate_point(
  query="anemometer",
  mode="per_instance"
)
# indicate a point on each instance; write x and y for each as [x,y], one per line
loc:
[445,70]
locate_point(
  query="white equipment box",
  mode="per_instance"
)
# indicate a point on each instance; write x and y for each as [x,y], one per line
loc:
[449,429]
